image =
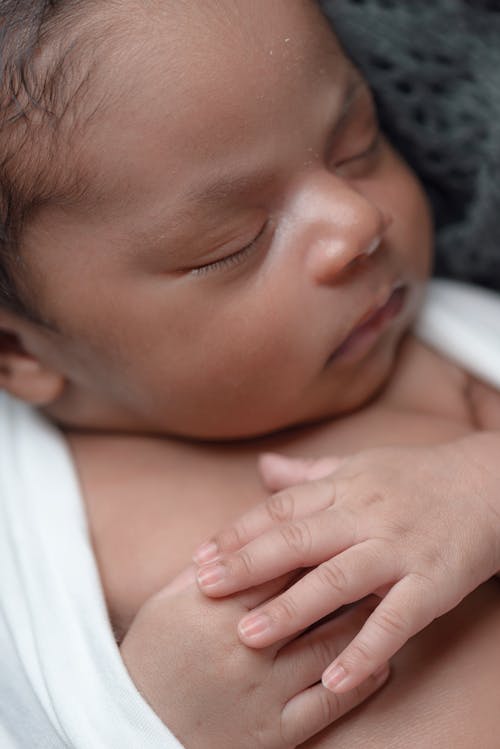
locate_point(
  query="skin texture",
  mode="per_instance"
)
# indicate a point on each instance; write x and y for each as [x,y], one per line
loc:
[139,312]
[271,699]
[446,699]
[442,689]
[152,331]
[385,521]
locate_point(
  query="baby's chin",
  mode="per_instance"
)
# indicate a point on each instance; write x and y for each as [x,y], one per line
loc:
[330,398]
[332,403]
[333,395]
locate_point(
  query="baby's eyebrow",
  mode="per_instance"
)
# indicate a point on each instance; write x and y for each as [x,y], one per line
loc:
[218,190]
[212,193]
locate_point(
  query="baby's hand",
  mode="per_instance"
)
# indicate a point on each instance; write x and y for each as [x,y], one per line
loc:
[420,527]
[184,655]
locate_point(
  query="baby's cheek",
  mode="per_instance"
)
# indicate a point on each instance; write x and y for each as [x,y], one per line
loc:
[414,217]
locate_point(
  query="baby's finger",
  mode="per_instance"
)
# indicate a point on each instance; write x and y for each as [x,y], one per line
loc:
[280,472]
[301,661]
[260,594]
[299,665]
[291,546]
[344,579]
[405,610]
[309,712]
[283,507]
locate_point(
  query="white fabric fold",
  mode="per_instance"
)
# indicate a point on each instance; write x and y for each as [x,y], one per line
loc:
[62,681]
[462,322]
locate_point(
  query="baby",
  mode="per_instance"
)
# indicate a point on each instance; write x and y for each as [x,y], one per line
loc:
[211,251]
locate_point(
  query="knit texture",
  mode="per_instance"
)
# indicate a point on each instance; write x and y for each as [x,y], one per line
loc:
[434,66]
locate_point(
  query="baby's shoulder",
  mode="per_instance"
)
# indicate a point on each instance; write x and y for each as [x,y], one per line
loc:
[425,381]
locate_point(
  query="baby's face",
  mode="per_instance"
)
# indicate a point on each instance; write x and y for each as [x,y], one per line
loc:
[215,279]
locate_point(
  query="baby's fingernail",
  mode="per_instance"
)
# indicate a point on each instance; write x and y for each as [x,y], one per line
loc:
[334,677]
[211,575]
[254,625]
[207,552]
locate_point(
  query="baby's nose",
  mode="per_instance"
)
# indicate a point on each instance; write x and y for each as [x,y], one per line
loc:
[354,232]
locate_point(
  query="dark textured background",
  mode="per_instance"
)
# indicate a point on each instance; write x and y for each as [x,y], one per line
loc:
[435,70]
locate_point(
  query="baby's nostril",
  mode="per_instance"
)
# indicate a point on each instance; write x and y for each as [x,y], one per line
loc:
[355,263]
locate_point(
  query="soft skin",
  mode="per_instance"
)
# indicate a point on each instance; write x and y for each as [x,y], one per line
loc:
[415,526]
[284,138]
[167,495]
[217,317]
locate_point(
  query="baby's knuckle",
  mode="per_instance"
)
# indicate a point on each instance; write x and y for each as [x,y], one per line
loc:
[421,581]
[322,651]
[329,707]
[391,621]
[425,593]
[297,538]
[284,609]
[244,564]
[361,651]
[433,558]
[230,539]
[281,506]
[332,576]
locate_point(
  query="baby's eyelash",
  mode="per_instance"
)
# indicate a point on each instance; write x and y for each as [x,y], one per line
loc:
[377,140]
[235,258]
[366,159]
[372,148]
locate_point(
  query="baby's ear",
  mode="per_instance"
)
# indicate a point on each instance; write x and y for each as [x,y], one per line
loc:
[23,375]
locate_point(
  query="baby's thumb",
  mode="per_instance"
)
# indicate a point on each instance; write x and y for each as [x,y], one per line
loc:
[279,472]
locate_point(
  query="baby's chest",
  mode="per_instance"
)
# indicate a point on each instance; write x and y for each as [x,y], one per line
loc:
[150,502]
[149,507]
[145,524]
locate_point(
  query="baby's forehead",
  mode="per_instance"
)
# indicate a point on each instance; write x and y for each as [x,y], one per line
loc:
[132,92]
[176,121]
[185,85]
[122,59]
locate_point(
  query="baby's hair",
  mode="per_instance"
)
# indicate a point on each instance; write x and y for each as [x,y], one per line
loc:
[47,49]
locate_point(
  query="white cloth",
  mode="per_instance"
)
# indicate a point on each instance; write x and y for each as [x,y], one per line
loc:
[62,681]
[463,323]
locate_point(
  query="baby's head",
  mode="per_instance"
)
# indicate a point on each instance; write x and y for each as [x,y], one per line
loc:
[199,211]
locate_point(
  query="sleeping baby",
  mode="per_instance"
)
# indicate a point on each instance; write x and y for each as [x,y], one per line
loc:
[210,252]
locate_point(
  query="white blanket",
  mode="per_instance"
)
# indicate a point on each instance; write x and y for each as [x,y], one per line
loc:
[463,323]
[62,682]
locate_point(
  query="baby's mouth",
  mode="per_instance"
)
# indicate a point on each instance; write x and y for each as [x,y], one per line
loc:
[367,330]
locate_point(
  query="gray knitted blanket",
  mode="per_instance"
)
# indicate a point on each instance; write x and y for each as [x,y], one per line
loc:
[435,68]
